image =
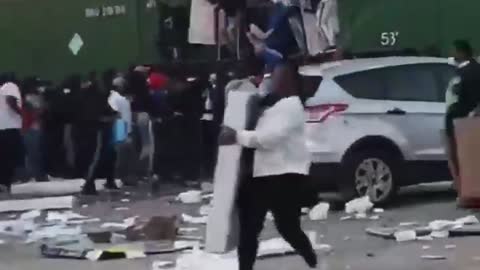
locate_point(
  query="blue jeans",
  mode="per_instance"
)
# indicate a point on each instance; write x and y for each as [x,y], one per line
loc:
[35,154]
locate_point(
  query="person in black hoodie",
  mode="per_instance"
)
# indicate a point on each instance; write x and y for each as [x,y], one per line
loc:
[94,135]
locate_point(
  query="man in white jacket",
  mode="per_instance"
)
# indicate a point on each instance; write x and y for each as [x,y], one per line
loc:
[280,168]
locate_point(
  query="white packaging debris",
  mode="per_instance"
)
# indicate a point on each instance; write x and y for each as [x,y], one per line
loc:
[128,222]
[159,265]
[31,215]
[125,200]
[37,204]
[425,238]
[93,255]
[404,236]
[194,220]
[52,232]
[359,206]
[375,217]
[468,220]
[433,257]
[83,221]
[207,196]
[426,247]
[378,210]
[345,218]
[360,216]
[187,230]
[199,260]
[450,246]
[122,209]
[440,234]
[135,254]
[439,225]
[16,228]
[63,216]
[319,212]
[181,244]
[190,197]
[274,246]
[205,210]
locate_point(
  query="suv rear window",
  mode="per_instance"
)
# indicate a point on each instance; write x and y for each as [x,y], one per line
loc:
[418,82]
[366,84]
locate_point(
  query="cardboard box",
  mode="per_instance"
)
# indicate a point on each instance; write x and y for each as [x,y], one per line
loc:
[467,133]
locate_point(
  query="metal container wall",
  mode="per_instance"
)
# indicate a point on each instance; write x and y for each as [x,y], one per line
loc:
[37,34]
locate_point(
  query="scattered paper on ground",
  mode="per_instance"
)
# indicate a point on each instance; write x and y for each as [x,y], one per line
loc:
[359,206]
[199,260]
[194,220]
[158,265]
[404,236]
[65,202]
[31,214]
[55,188]
[190,197]
[187,230]
[319,212]
[433,257]
[120,226]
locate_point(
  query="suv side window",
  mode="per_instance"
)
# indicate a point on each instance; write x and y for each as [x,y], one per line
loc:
[412,83]
[365,84]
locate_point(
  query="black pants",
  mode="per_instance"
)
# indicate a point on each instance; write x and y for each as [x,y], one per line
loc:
[96,156]
[11,155]
[281,195]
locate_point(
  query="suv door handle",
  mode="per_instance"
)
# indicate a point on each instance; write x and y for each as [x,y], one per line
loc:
[396,111]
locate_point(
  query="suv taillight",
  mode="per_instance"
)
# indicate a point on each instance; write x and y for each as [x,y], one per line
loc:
[320,113]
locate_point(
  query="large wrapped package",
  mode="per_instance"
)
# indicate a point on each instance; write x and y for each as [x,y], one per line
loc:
[467,133]
[222,225]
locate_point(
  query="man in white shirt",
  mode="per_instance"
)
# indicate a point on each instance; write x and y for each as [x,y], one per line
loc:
[11,146]
[125,150]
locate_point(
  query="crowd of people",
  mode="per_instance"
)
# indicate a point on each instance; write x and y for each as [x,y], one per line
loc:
[71,130]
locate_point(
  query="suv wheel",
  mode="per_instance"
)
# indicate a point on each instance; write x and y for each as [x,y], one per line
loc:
[370,172]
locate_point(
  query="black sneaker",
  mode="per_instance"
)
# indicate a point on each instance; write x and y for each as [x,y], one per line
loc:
[89,190]
[111,186]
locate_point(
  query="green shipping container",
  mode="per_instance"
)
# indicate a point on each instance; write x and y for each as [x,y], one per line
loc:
[52,38]
[424,25]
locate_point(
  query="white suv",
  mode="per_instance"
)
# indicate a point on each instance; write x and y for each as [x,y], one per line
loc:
[376,124]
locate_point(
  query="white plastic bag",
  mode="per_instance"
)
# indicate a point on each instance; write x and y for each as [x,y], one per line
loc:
[320,211]
[359,206]
[190,197]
